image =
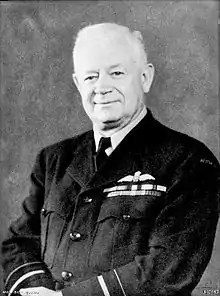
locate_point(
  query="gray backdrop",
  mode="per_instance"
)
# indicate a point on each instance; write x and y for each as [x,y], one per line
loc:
[40,105]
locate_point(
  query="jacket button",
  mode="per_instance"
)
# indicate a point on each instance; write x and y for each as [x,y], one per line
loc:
[87,199]
[75,236]
[66,275]
[43,212]
[126,217]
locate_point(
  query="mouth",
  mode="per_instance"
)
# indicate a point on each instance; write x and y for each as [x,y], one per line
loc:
[105,103]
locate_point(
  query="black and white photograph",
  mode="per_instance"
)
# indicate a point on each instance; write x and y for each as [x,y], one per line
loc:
[110,148]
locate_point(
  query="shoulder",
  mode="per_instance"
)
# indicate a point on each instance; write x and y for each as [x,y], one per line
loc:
[183,146]
[171,148]
[64,147]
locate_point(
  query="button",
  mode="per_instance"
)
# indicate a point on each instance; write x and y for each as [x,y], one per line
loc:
[126,217]
[66,275]
[43,212]
[75,236]
[87,199]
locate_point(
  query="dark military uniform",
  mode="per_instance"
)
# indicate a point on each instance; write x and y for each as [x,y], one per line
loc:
[144,224]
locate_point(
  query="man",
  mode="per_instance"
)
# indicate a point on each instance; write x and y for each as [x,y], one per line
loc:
[129,208]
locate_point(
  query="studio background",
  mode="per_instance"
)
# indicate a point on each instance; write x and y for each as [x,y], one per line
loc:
[40,104]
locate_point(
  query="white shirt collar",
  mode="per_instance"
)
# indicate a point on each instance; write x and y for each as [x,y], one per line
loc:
[117,137]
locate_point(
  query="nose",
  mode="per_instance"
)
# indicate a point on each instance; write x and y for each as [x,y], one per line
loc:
[102,85]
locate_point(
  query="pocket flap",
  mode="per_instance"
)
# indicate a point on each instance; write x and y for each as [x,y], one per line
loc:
[123,208]
[61,206]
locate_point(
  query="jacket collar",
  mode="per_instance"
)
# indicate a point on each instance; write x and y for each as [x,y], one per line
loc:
[125,159]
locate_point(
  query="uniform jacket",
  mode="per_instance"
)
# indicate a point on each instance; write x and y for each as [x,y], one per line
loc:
[144,224]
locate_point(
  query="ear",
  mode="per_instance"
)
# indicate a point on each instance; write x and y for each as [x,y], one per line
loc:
[147,77]
[75,79]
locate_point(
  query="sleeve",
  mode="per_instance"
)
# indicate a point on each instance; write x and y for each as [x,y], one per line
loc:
[180,243]
[21,250]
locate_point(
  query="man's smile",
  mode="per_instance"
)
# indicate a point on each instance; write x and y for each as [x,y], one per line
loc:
[106,103]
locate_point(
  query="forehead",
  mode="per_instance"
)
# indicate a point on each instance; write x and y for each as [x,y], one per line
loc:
[103,50]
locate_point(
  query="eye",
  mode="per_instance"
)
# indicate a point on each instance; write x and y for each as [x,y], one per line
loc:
[90,78]
[117,73]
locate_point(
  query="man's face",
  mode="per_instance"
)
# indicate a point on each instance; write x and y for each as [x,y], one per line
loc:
[110,82]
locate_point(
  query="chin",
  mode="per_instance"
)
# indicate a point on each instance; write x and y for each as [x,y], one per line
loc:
[105,118]
[110,123]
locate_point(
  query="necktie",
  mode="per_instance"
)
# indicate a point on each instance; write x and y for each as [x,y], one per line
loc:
[101,156]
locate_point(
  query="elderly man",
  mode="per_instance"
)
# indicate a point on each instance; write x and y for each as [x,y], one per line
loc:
[129,208]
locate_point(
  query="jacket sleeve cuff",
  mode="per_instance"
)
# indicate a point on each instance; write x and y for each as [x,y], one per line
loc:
[30,274]
[107,284]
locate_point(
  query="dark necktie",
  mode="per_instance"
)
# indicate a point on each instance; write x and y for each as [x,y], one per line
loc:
[101,156]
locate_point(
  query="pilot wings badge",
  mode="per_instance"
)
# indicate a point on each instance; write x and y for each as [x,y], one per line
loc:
[137,177]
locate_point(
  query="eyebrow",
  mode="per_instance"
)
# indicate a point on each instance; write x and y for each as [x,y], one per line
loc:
[110,67]
[116,66]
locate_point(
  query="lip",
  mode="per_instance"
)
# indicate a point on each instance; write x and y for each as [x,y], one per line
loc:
[106,103]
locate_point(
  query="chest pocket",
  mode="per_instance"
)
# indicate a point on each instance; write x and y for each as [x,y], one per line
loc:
[55,214]
[122,229]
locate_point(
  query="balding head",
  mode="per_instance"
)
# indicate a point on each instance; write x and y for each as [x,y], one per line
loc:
[105,33]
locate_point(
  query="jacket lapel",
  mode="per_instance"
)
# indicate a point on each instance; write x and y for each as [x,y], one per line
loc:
[81,168]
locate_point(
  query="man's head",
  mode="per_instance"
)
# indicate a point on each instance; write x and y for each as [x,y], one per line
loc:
[111,74]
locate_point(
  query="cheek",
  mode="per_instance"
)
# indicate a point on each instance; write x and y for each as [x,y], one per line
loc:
[124,88]
[130,92]
[86,95]
[130,85]
[135,88]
